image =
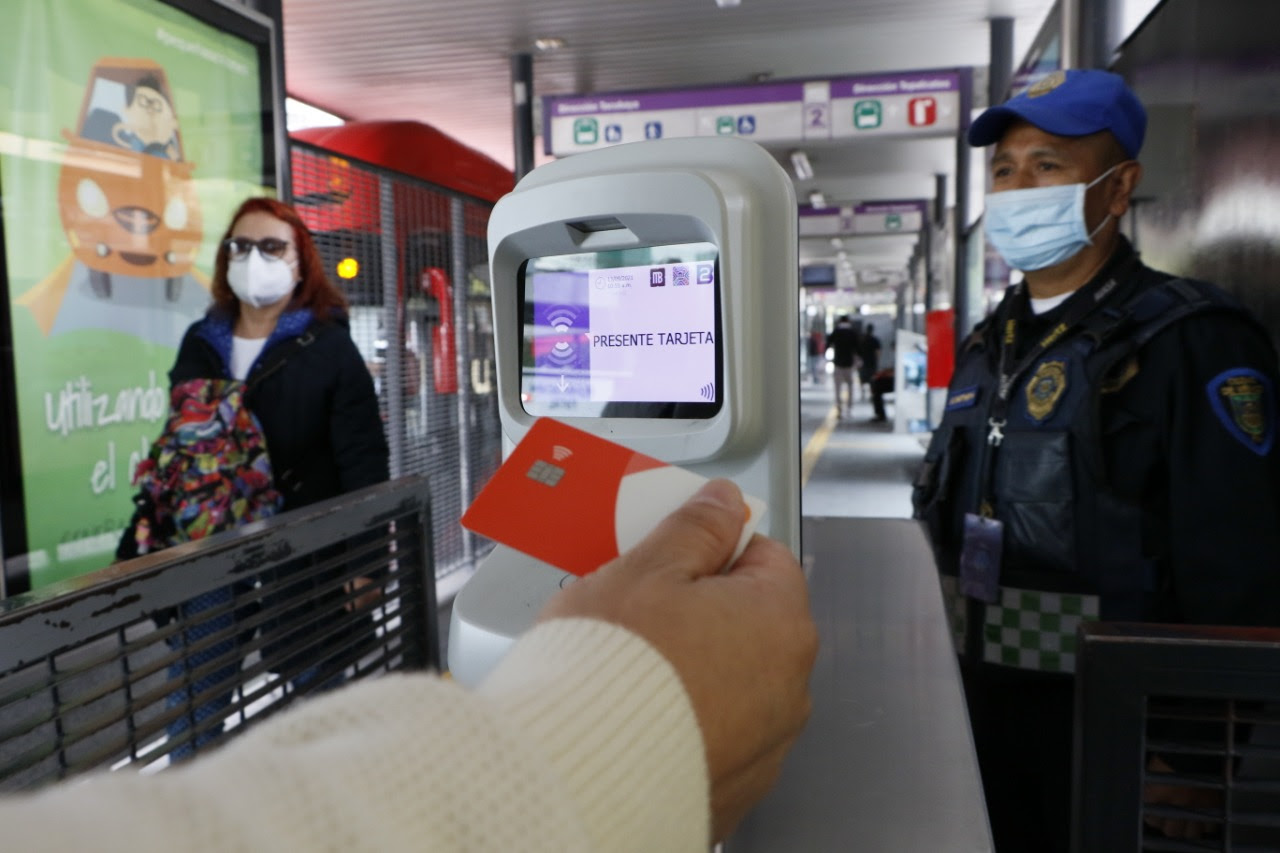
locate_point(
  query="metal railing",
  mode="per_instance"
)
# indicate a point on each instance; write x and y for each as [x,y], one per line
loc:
[417,280]
[1192,712]
[152,660]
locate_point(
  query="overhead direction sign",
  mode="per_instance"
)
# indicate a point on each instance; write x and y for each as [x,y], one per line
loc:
[917,103]
[877,217]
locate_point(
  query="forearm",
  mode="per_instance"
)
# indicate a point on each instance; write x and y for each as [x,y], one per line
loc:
[551,753]
[636,768]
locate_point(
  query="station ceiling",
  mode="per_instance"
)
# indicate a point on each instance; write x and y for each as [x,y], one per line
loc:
[448,64]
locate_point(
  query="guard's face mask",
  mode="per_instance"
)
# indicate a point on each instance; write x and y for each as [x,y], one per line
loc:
[1041,226]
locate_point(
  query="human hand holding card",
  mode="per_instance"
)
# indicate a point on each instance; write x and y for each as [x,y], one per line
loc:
[576,500]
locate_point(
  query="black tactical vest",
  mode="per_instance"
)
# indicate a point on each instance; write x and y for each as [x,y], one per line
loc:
[1065,529]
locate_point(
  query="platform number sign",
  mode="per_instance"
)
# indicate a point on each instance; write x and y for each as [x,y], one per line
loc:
[922,112]
[817,116]
[586,131]
[867,115]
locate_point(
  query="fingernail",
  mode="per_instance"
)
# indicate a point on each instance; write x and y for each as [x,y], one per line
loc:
[723,493]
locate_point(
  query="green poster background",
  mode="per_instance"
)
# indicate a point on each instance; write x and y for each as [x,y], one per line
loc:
[91,377]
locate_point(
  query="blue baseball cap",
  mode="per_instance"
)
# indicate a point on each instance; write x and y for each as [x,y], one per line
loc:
[1075,102]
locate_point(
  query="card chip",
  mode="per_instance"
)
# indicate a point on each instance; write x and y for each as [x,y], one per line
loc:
[545,473]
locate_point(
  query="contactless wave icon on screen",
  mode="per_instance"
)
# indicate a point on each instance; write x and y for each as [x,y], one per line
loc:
[561,353]
[708,392]
[561,318]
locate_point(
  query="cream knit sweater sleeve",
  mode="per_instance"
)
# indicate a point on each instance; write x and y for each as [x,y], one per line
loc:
[583,739]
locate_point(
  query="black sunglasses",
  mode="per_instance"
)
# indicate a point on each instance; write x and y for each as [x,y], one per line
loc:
[268,247]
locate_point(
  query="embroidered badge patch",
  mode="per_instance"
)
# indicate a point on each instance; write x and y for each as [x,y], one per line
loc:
[1244,401]
[1045,389]
[962,398]
[1047,84]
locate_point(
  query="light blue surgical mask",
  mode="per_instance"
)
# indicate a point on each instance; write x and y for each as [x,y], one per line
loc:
[1041,226]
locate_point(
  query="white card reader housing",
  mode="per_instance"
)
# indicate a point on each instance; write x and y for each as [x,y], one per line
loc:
[723,193]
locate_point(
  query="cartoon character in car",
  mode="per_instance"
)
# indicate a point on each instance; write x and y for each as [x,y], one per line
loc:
[125,194]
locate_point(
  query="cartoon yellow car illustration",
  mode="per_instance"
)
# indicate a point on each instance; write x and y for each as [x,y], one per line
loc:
[125,194]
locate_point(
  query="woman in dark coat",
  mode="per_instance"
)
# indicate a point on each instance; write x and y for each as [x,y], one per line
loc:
[280,325]
[318,410]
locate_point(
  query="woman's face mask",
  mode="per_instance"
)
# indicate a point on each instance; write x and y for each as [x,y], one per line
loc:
[1041,226]
[258,280]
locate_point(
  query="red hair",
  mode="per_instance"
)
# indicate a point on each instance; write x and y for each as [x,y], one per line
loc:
[314,291]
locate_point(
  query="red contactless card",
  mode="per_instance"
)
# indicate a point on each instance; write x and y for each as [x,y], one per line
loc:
[576,500]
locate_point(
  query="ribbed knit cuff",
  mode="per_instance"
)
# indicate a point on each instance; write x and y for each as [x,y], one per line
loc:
[612,716]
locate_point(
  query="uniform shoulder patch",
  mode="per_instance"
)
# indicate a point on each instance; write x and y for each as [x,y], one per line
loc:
[1245,403]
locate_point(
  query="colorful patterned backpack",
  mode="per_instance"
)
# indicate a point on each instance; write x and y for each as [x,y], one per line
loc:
[208,471]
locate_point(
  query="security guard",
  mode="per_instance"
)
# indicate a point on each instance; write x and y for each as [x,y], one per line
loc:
[1107,449]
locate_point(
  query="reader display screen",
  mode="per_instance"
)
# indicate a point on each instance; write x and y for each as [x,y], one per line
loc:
[630,333]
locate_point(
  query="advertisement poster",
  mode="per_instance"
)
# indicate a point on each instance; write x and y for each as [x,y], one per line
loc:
[129,131]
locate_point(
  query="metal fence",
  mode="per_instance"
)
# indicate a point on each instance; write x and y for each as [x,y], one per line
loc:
[1189,712]
[155,659]
[412,260]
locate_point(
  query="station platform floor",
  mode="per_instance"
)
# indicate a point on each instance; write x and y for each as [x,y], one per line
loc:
[852,466]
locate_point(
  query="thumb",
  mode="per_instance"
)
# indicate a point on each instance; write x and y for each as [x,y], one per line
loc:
[695,540]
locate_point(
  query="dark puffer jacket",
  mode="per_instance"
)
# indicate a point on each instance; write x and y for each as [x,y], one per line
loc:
[318,410]
[319,413]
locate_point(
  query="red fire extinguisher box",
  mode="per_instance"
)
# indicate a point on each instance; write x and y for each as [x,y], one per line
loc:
[940,333]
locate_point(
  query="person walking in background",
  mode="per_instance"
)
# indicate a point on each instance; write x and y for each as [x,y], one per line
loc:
[817,351]
[843,343]
[868,358]
[881,384]
[1103,428]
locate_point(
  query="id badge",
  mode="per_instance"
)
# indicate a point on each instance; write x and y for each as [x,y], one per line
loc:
[980,557]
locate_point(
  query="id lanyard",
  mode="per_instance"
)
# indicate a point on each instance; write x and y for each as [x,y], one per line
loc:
[1082,304]
[981,554]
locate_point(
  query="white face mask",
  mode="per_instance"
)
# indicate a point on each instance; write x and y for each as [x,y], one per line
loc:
[260,281]
[1041,226]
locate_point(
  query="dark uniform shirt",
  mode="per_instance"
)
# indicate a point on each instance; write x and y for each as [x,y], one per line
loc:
[1200,465]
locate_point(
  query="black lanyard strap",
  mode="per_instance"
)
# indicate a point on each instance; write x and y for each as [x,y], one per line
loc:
[1082,303]
[1080,306]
